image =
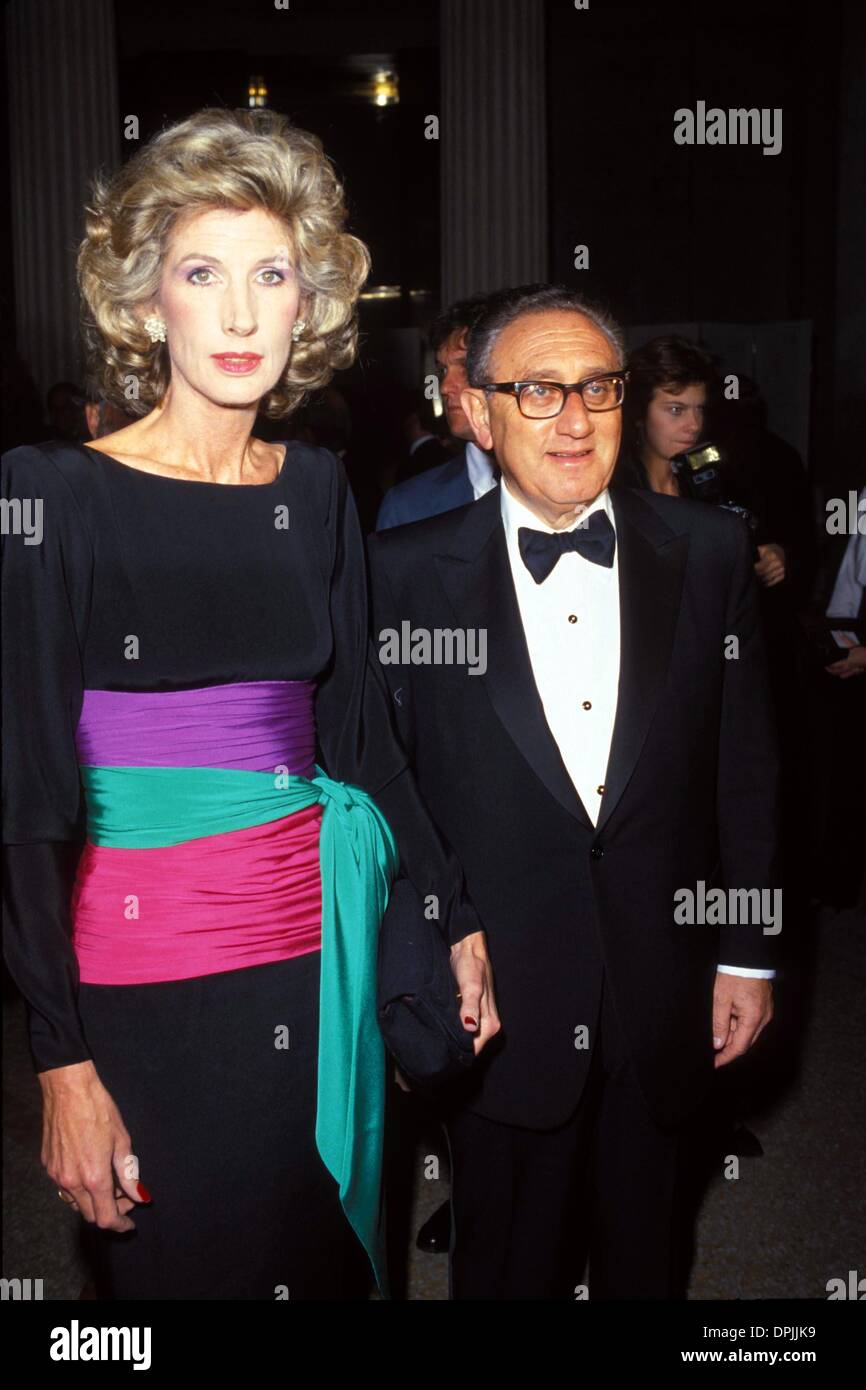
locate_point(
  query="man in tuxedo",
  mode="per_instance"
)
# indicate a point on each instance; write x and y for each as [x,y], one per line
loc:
[615,758]
[471,472]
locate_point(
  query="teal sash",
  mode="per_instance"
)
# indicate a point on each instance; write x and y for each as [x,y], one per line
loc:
[151,807]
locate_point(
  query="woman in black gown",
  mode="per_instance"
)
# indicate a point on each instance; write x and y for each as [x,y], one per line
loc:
[202,778]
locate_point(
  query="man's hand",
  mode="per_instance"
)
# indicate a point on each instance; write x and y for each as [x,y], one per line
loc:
[742,1008]
[854,664]
[471,967]
[770,568]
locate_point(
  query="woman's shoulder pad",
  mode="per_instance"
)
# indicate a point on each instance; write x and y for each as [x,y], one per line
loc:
[319,462]
[45,463]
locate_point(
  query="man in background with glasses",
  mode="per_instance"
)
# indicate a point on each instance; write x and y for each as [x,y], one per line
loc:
[615,762]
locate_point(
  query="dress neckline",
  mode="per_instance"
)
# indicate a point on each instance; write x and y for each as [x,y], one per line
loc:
[192,482]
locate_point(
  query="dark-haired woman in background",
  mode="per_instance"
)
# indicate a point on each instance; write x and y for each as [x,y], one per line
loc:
[671,393]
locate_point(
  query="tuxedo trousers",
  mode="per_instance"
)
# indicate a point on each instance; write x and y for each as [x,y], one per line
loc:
[527,1205]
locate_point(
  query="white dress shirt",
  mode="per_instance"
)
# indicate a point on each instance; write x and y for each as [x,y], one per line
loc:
[572,628]
[571,622]
[479,466]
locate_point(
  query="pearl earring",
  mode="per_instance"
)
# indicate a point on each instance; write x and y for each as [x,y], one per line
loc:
[298,329]
[154,328]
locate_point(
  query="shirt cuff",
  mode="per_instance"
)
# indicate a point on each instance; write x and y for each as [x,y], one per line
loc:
[741,970]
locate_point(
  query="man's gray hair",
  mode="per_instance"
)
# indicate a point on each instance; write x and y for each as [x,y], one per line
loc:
[507,305]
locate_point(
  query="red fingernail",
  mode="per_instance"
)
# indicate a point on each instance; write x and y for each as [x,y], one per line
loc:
[143,1192]
[471,1021]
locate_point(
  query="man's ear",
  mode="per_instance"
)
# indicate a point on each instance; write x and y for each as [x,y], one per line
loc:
[475,406]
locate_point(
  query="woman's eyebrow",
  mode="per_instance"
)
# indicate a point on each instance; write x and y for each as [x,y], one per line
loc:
[213,260]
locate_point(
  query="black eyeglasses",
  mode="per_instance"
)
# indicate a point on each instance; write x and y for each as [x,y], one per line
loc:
[541,400]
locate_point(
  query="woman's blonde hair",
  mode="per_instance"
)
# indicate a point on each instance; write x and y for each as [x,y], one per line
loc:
[217,159]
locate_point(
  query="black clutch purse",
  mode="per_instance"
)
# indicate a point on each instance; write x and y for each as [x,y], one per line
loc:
[417,1005]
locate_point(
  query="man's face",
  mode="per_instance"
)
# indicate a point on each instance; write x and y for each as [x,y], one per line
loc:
[675,419]
[559,465]
[451,361]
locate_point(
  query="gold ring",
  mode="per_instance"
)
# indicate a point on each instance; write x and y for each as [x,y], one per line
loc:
[70,1201]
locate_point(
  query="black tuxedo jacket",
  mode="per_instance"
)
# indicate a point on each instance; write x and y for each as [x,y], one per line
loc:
[691,795]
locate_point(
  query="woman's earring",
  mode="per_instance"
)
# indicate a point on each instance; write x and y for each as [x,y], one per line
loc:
[154,328]
[298,329]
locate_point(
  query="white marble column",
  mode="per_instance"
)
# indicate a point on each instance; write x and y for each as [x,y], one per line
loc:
[64,124]
[493,138]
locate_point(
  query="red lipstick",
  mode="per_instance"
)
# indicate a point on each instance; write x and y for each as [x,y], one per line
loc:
[237,363]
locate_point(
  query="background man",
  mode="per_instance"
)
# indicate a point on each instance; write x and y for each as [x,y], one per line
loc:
[471,472]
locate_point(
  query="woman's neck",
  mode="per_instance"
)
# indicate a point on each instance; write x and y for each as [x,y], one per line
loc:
[659,474]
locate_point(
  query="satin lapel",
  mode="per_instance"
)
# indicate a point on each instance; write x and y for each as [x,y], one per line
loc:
[476,576]
[652,562]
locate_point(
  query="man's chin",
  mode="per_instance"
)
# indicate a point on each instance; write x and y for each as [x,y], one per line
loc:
[459,427]
[575,495]
[575,487]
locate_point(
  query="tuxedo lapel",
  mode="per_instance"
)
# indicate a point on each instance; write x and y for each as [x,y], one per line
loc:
[651,567]
[476,576]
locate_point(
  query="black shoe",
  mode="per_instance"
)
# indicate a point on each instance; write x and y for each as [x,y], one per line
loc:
[435,1235]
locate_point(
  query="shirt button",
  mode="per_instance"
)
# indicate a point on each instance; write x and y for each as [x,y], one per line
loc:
[572,617]
[596,852]
[600,789]
[587,704]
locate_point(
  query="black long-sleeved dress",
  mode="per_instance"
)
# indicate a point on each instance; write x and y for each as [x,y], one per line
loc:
[214,595]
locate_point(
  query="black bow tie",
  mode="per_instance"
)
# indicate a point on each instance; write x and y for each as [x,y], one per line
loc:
[540,550]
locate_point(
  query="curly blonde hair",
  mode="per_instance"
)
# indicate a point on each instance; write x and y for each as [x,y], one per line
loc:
[217,159]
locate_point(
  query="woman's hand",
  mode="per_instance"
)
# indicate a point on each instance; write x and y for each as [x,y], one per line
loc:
[472,970]
[770,568]
[86,1148]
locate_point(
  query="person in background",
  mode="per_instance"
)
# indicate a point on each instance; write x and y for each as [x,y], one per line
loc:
[424,448]
[771,480]
[102,416]
[838,721]
[472,472]
[670,386]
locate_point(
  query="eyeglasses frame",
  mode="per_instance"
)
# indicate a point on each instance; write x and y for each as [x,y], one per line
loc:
[513,388]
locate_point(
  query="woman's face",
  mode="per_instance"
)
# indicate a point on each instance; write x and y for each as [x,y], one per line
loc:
[674,419]
[229,296]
